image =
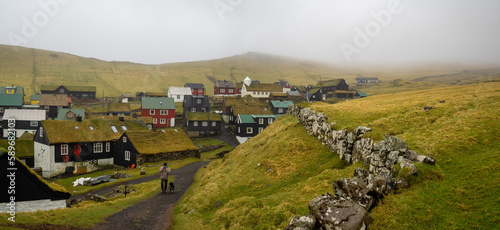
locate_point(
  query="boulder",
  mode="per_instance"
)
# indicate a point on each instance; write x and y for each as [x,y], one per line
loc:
[393,143]
[333,212]
[302,223]
[401,183]
[408,164]
[411,155]
[426,159]
[360,131]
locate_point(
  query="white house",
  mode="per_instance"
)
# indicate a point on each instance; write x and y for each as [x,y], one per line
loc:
[22,121]
[178,93]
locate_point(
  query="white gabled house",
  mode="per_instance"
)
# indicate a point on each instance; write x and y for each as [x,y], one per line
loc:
[178,93]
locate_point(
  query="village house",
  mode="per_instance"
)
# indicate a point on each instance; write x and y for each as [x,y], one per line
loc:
[118,109]
[62,146]
[32,193]
[178,93]
[11,97]
[358,95]
[314,95]
[226,88]
[284,85]
[196,104]
[337,88]
[201,124]
[140,95]
[294,94]
[134,148]
[53,102]
[232,107]
[366,80]
[70,114]
[248,125]
[161,109]
[261,90]
[280,107]
[26,121]
[80,92]
[196,88]
[125,98]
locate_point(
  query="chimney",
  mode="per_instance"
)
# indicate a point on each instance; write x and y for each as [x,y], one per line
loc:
[78,118]
[121,118]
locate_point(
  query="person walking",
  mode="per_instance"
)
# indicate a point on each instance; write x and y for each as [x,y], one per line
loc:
[164,171]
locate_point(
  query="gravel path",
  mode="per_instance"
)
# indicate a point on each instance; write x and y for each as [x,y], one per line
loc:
[152,213]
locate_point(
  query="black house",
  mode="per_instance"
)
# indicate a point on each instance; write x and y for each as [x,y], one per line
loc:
[314,95]
[29,187]
[200,124]
[251,125]
[333,85]
[196,103]
[79,92]
[53,102]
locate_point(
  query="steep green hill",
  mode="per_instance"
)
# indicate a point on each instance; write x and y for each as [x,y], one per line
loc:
[263,183]
[32,68]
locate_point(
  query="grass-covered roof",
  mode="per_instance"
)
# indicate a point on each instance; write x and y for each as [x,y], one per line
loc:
[118,107]
[203,117]
[74,131]
[73,88]
[332,82]
[264,87]
[252,109]
[160,141]
[24,148]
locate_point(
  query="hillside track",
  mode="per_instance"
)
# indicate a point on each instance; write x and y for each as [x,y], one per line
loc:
[153,213]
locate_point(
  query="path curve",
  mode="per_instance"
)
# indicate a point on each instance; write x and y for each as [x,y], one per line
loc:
[153,212]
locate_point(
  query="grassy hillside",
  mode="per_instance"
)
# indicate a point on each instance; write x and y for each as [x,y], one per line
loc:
[461,191]
[32,68]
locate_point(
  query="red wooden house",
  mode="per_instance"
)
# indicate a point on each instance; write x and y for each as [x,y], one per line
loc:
[161,109]
[196,88]
[226,88]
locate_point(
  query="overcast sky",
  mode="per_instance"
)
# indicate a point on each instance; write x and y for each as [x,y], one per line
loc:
[334,31]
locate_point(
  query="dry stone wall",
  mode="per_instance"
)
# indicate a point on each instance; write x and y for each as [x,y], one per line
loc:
[367,186]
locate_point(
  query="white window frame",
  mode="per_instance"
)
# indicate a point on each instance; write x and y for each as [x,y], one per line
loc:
[155,121]
[204,123]
[124,139]
[230,91]
[198,101]
[108,147]
[151,112]
[222,90]
[98,147]
[164,112]
[261,121]
[214,123]
[127,155]
[178,97]
[163,121]
[280,110]
[41,131]
[195,123]
[249,130]
[64,149]
[200,90]
[193,109]
[239,130]
[33,123]
[270,121]
[261,129]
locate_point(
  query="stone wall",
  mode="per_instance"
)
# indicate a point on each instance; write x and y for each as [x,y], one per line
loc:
[367,186]
[142,158]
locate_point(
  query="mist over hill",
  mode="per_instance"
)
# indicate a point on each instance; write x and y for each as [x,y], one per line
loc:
[32,68]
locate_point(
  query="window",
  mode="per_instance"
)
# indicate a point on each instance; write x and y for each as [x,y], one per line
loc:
[204,123]
[198,101]
[41,131]
[193,109]
[124,127]
[61,90]
[214,123]
[163,121]
[163,112]
[280,110]
[91,127]
[151,112]
[261,121]
[124,139]
[261,129]
[239,131]
[64,149]
[33,123]
[195,123]
[270,121]
[201,90]
[155,121]
[249,130]
[178,96]
[230,90]
[70,115]
[127,155]
[97,147]
[222,90]
[114,129]
[108,147]
[1,109]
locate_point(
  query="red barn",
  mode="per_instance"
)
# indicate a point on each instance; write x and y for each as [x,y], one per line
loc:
[161,109]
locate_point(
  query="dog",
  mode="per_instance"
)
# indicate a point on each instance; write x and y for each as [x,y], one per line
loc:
[171,186]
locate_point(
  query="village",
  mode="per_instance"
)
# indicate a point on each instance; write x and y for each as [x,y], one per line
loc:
[68,130]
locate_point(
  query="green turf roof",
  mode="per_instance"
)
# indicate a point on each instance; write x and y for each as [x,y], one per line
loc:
[24,148]
[264,87]
[158,103]
[74,131]
[118,107]
[203,117]
[160,141]
[72,88]
[333,82]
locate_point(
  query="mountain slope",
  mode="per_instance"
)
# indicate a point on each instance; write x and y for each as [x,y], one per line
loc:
[461,191]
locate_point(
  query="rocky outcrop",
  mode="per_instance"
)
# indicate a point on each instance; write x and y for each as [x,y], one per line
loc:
[353,197]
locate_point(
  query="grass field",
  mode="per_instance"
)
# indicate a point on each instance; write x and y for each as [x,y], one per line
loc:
[462,191]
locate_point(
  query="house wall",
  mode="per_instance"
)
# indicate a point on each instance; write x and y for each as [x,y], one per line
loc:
[33,206]
[119,152]
[170,117]
[143,158]
[200,130]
